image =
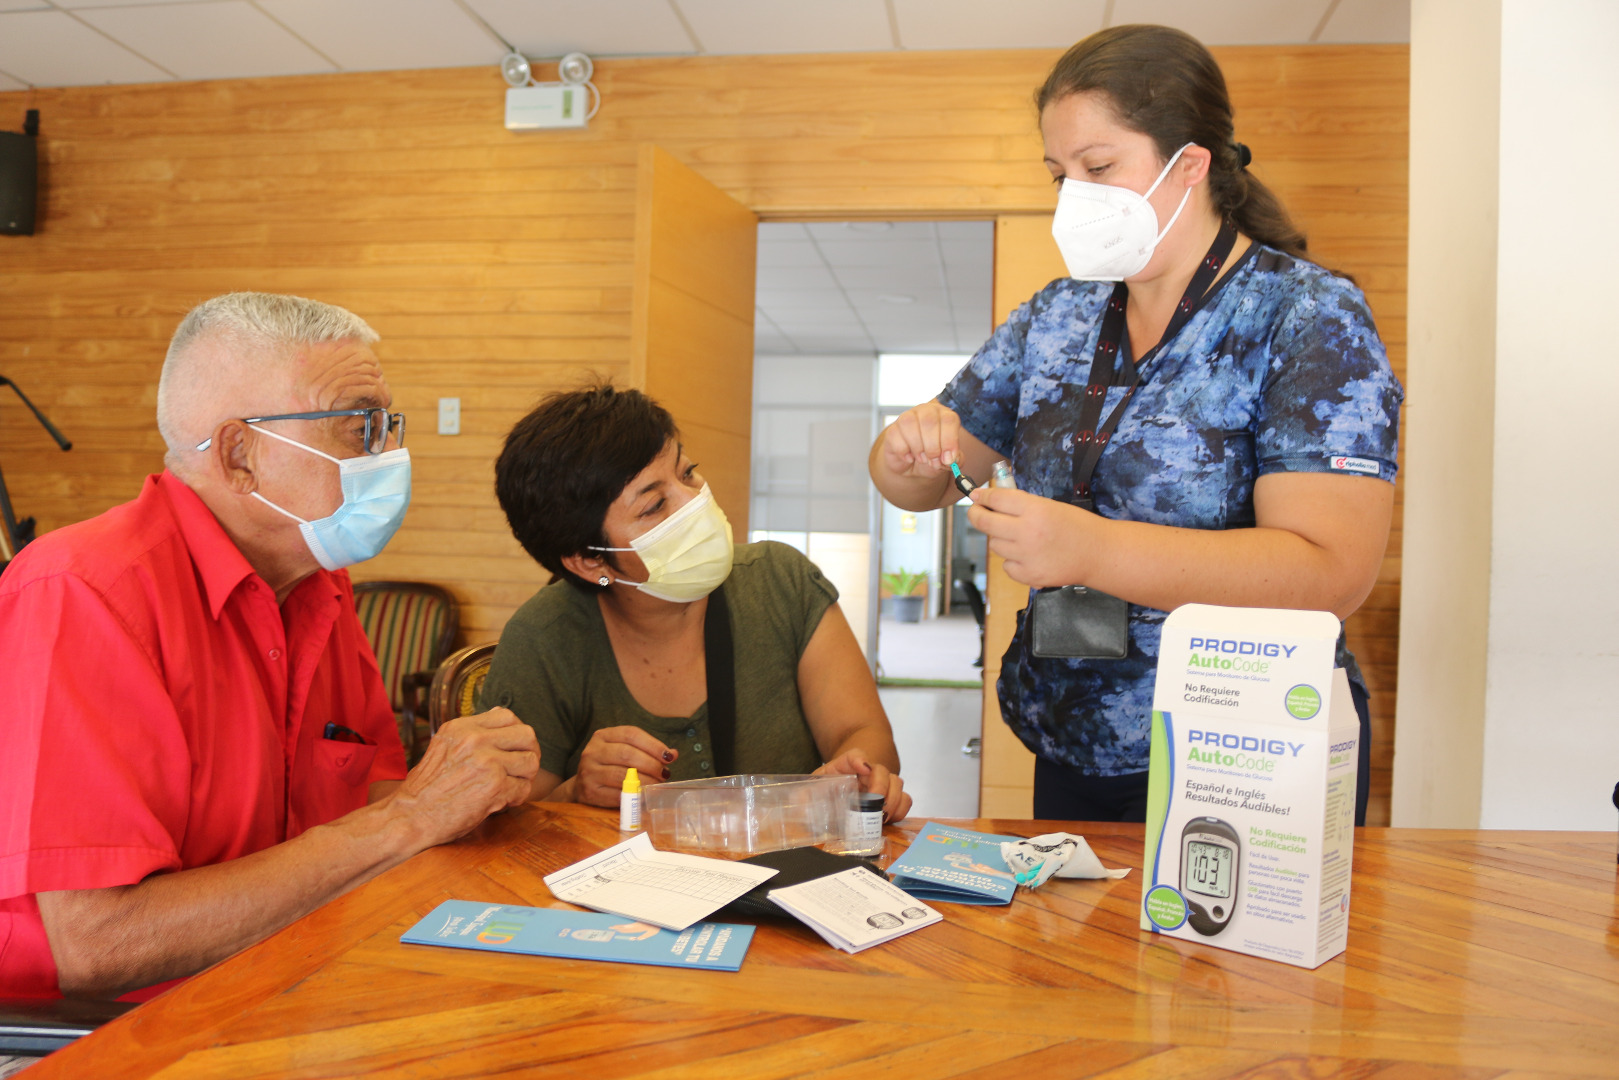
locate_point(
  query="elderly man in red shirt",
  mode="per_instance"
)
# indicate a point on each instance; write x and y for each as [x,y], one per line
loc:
[198,747]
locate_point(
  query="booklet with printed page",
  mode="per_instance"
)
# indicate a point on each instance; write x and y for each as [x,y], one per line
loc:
[665,888]
[580,935]
[855,909]
[947,864]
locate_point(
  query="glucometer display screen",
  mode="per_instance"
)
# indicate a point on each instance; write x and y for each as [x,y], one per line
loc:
[1208,869]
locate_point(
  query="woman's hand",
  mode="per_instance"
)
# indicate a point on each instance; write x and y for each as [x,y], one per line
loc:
[921,442]
[896,804]
[612,752]
[910,461]
[1043,541]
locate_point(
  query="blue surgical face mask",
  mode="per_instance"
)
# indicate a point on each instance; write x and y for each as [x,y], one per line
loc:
[376,493]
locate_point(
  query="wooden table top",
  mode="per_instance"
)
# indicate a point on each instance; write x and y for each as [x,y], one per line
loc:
[1485,954]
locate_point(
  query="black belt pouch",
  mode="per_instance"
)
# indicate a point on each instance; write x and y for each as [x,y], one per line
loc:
[1074,622]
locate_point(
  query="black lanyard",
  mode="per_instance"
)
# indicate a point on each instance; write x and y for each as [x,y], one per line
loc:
[1091,439]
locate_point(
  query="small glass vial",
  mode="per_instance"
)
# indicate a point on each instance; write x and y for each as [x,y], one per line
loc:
[1003,474]
[629,802]
[865,833]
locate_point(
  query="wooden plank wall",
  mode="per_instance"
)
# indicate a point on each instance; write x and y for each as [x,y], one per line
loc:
[499,265]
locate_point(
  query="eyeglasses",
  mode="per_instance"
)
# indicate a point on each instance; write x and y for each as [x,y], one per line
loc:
[379,424]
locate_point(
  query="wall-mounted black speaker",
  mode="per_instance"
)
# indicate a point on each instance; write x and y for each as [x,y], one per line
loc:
[19,182]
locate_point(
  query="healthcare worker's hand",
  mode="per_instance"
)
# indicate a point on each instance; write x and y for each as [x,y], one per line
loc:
[610,753]
[1042,540]
[872,777]
[922,442]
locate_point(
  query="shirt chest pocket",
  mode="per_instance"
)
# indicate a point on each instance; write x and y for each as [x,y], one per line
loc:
[345,762]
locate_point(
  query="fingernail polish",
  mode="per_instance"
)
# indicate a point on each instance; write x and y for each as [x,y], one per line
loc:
[668,755]
[666,774]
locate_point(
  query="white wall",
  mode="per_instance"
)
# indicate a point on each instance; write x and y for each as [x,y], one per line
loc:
[1513,373]
[1551,750]
[1447,427]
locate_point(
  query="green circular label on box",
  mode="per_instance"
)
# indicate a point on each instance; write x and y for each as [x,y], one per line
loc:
[1303,701]
[1166,908]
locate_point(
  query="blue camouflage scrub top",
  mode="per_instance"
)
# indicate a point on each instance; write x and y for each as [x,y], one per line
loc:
[1281,370]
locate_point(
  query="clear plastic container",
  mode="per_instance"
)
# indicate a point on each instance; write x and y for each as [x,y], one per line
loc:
[737,816]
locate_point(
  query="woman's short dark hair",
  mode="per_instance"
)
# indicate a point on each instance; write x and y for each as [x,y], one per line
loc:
[1165,84]
[565,462]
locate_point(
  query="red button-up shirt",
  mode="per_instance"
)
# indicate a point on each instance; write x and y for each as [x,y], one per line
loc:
[160,711]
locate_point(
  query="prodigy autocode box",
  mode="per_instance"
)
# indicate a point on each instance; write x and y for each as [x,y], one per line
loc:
[1251,797]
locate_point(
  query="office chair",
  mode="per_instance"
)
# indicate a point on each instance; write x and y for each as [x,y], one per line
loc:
[975,604]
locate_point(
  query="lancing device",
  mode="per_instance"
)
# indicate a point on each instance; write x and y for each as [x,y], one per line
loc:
[963,484]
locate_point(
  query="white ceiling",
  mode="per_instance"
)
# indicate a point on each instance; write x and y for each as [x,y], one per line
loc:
[874,286]
[89,42]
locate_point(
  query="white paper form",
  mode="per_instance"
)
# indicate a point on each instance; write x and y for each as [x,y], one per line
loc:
[664,888]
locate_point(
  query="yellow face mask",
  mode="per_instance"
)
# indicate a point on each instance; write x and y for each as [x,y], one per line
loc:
[687,555]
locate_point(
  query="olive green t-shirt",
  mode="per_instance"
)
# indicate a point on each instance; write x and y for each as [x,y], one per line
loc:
[555,669]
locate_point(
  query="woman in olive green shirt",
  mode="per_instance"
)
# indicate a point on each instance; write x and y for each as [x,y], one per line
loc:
[607,663]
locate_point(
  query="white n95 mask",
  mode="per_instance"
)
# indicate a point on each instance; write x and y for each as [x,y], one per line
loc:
[687,555]
[1108,233]
[376,494]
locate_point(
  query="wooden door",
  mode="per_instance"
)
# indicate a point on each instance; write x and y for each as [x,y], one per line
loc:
[1026,260]
[691,335]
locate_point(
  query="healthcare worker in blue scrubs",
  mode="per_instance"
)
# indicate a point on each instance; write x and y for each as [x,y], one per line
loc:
[1227,436]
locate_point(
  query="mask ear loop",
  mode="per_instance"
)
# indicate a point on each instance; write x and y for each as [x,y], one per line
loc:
[1176,215]
[605,579]
[301,446]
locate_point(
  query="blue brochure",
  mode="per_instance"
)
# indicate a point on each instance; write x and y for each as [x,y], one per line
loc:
[945,864]
[580,935]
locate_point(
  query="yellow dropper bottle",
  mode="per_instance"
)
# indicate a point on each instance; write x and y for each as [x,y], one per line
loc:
[629,802]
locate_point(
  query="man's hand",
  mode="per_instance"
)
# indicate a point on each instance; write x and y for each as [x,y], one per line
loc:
[612,752]
[873,777]
[109,940]
[474,767]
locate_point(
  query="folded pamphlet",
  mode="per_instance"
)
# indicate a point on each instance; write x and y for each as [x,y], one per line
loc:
[580,935]
[946,864]
[855,909]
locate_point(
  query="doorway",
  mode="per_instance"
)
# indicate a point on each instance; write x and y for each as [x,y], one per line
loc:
[854,322]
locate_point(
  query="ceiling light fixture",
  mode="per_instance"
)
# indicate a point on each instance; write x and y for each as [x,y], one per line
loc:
[567,103]
[515,70]
[575,69]
[896,298]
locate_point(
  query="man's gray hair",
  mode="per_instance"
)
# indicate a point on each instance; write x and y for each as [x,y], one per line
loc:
[267,323]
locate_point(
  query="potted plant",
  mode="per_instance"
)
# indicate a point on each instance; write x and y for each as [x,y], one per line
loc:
[904,588]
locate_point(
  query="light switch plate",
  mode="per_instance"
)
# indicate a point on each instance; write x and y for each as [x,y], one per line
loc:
[449,416]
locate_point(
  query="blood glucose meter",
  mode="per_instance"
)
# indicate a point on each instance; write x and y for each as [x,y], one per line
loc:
[1210,855]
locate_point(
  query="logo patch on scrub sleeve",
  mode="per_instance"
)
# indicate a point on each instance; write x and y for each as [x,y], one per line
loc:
[1356,465]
